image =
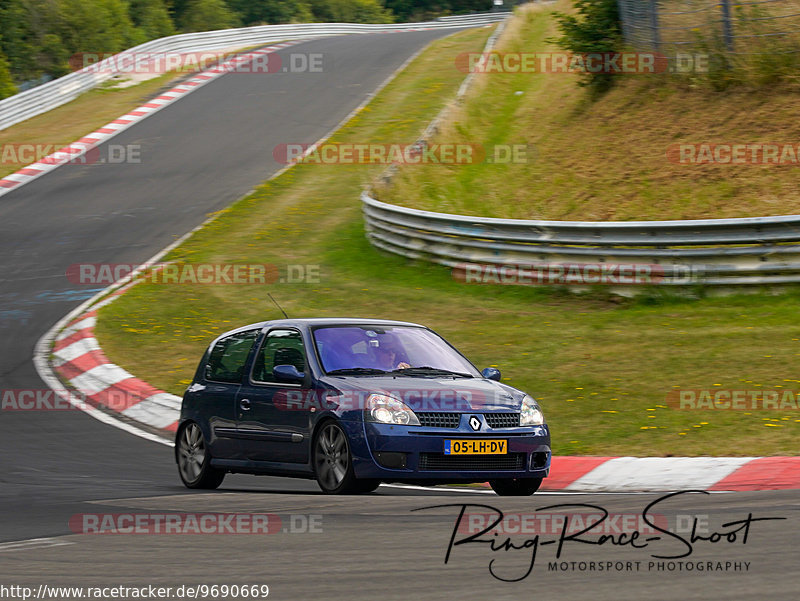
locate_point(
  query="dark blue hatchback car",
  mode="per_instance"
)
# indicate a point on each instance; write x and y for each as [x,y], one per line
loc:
[353,403]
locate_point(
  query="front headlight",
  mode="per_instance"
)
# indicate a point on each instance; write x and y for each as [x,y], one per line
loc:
[388,410]
[530,414]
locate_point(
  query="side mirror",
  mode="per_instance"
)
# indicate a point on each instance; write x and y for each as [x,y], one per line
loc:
[491,373]
[288,373]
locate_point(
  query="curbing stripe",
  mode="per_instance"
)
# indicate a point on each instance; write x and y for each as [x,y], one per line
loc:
[658,473]
[77,349]
[160,410]
[74,337]
[766,473]
[84,363]
[79,359]
[566,470]
[99,378]
[77,326]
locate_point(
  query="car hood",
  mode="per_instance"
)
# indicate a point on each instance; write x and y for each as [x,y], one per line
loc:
[423,394]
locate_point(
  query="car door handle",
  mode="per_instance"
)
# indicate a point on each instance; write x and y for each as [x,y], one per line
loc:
[245,404]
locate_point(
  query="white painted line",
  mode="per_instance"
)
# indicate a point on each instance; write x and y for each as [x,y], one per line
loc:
[32,543]
[440,490]
[541,493]
[658,474]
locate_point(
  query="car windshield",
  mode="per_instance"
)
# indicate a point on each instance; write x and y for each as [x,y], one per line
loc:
[372,350]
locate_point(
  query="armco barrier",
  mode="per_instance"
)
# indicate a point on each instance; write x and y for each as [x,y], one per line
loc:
[43,98]
[716,252]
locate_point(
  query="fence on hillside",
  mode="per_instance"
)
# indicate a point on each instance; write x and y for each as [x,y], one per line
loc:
[675,27]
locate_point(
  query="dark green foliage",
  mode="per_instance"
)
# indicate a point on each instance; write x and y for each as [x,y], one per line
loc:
[7,87]
[417,10]
[207,15]
[595,29]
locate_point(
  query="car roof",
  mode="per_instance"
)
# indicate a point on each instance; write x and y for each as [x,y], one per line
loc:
[322,321]
[337,321]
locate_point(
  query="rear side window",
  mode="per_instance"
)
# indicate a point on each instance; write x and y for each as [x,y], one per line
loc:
[228,357]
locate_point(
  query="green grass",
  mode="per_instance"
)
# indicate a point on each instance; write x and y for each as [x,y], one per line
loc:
[606,159]
[600,365]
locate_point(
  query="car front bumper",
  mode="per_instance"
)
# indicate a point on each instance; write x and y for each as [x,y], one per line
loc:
[397,453]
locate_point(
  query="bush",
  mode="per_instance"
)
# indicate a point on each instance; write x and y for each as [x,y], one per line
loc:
[7,87]
[595,29]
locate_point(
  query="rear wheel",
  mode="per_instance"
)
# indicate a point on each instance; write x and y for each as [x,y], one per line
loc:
[194,460]
[333,463]
[516,487]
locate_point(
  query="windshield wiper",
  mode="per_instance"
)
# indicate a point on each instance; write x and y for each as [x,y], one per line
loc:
[429,371]
[356,371]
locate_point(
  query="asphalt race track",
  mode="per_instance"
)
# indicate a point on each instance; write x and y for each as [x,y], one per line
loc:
[199,155]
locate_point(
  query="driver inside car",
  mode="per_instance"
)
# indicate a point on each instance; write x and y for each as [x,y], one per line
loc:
[386,357]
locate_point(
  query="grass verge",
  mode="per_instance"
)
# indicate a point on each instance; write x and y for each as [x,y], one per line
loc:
[607,159]
[601,366]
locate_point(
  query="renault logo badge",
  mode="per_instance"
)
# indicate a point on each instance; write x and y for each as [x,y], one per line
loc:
[475,423]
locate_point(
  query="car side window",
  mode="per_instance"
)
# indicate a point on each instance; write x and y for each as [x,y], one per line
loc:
[227,360]
[280,347]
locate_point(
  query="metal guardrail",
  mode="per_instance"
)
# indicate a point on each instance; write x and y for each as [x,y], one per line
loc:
[473,17]
[35,101]
[716,252]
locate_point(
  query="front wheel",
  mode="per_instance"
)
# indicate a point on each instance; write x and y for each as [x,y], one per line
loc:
[333,463]
[194,460]
[516,487]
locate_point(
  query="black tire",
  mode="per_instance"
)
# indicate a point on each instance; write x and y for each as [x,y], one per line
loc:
[367,486]
[194,460]
[333,462]
[516,487]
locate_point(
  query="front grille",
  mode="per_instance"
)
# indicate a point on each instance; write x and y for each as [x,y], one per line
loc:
[502,420]
[441,462]
[439,419]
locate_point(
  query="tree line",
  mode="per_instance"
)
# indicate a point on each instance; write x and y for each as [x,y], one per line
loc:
[38,37]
